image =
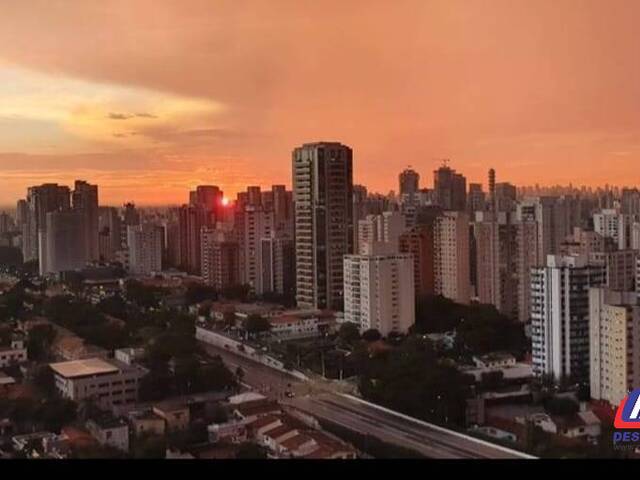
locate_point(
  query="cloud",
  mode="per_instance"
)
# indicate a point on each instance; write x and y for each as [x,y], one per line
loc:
[127,116]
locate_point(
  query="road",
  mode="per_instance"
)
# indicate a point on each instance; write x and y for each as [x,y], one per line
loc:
[266,380]
[359,416]
[431,441]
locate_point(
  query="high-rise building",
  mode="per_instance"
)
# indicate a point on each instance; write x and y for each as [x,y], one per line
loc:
[145,242]
[85,200]
[379,291]
[277,263]
[418,241]
[560,316]
[621,269]
[220,259]
[476,199]
[282,201]
[254,222]
[610,223]
[191,219]
[49,197]
[451,253]
[614,335]
[323,199]
[208,198]
[527,255]
[109,233]
[62,242]
[450,189]
[409,183]
[495,235]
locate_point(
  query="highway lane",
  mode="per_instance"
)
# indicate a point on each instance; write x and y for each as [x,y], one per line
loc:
[266,380]
[429,441]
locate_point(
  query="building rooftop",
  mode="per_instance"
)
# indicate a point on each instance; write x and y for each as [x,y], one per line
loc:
[83,368]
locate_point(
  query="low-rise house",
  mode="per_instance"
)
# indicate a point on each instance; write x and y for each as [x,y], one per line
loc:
[111,432]
[108,383]
[256,408]
[41,445]
[232,431]
[176,415]
[14,353]
[146,422]
[6,383]
[581,425]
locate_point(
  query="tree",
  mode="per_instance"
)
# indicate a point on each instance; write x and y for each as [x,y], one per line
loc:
[371,335]
[249,450]
[44,380]
[561,406]
[149,446]
[256,324]
[348,333]
[39,341]
[197,292]
[410,379]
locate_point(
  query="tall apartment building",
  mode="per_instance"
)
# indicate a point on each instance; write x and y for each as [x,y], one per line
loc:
[63,242]
[610,223]
[85,200]
[109,233]
[560,315]
[379,291]
[476,199]
[209,199]
[418,241]
[145,242]
[191,219]
[450,189]
[495,249]
[254,222]
[323,198]
[621,269]
[614,336]
[41,200]
[277,263]
[527,256]
[220,259]
[451,255]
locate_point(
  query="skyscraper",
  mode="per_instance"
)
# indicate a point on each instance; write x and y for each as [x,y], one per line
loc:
[323,198]
[450,189]
[560,316]
[85,200]
[49,197]
[145,243]
[451,256]
[63,242]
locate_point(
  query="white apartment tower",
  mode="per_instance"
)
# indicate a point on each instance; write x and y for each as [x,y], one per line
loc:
[451,256]
[560,315]
[379,291]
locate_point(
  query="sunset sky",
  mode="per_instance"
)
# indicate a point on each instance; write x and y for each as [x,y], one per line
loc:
[149,98]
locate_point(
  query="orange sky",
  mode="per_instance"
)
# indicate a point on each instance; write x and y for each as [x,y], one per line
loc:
[148,98]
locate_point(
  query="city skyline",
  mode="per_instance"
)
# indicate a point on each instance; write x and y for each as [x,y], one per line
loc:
[150,100]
